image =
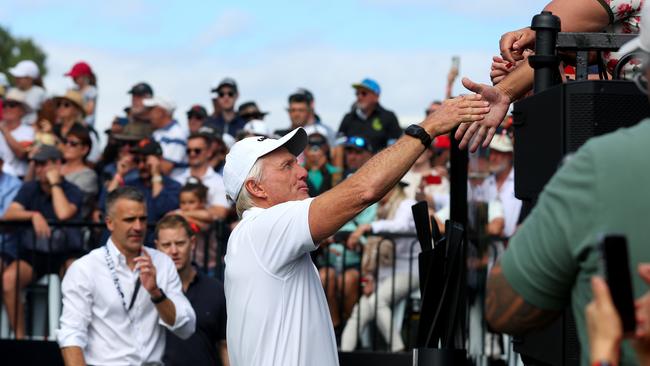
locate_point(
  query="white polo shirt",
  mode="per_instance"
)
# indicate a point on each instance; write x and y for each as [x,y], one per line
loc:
[277,311]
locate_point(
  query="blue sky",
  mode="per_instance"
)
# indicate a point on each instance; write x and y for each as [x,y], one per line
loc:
[270,47]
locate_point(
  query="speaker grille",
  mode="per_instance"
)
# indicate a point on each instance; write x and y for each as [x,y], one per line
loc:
[591,115]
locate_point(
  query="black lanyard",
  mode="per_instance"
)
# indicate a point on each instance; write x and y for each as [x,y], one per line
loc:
[116,282]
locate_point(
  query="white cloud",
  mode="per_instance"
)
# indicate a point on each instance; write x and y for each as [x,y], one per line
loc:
[228,24]
[409,81]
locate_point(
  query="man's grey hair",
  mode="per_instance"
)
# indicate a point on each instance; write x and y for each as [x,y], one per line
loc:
[245,200]
[127,193]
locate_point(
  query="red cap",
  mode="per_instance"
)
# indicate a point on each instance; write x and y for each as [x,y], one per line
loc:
[79,69]
[442,142]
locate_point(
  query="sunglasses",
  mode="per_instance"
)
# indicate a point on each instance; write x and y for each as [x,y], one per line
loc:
[361,93]
[12,104]
[190,151]
[223,94]
[72,143]
[63,105]
[314,148]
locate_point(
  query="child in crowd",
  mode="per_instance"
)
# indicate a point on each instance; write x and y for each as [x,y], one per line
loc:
[193,207]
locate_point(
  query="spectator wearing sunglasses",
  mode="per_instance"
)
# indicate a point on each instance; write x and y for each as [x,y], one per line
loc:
[42,248]
[160,191]
[368,118]
[357,152]
[16,137]
[196,116]
[198,153]
[117,160]
[27,78]
[76,147]
[70,110]
[321,175]
[225,118]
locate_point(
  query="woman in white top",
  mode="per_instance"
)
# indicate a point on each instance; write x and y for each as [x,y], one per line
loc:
[27,79]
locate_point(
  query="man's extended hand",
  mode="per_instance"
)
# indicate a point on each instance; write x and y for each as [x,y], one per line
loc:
[466,108]
[513,44]
[483,130]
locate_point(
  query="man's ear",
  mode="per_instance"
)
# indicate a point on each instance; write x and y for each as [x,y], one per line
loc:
[109,222]
[254,189]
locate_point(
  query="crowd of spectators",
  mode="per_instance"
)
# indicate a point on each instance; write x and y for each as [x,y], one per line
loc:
[54,171]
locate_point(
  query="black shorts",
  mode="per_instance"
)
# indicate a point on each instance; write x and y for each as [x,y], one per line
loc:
[46,263]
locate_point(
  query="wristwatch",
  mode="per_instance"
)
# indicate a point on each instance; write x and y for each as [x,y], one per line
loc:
[419,133]
[159,299]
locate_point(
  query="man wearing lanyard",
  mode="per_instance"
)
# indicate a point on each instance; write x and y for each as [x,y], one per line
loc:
[118,298]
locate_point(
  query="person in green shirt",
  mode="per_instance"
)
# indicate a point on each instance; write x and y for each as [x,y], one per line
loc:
[321,175]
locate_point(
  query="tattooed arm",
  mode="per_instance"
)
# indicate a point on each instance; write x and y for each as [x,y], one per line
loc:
[507,312]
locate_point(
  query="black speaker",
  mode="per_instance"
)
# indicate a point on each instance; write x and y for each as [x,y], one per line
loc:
[558,120]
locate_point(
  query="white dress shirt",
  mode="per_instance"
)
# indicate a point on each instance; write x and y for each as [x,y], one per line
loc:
[94,317]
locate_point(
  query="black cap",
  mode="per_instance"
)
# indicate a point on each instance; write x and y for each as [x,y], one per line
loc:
[141,89]
[226,82]
[316,139]
[308,95]
[210,132]
[47,153]
[197,110]
[250,110]
[147,147]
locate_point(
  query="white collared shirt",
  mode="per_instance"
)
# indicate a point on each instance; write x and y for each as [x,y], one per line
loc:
[94,317]
[277,310]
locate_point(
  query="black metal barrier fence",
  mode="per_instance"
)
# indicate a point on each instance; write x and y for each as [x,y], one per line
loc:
[42,298]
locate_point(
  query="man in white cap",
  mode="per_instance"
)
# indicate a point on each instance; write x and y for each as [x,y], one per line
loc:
[549,262]
[502,181]
[168,133]
[277,311]
[26,77]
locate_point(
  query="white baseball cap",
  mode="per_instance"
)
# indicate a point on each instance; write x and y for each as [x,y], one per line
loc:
[25,69]
[642,41]
[244,154]
[501,143]
[163,103]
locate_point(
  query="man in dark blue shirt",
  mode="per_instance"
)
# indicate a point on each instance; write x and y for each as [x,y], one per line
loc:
[225,119]
[160,191]
[42,248]
[207,346]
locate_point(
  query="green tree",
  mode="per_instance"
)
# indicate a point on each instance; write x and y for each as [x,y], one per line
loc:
[14,49]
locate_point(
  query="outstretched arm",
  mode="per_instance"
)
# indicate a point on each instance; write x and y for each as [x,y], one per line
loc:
[329,211]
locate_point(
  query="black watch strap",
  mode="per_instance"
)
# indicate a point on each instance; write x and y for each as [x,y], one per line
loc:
[419,133]
[159,299]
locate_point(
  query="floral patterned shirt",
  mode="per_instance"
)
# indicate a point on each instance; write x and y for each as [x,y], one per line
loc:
[624,17]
